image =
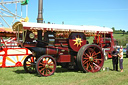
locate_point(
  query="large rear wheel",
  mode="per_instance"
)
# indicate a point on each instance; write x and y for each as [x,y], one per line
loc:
[46,65]
[90,58]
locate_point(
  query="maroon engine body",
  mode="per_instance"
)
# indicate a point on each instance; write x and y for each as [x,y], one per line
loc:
[68,50]
[105,41]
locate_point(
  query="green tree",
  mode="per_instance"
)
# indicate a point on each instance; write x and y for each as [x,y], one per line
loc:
[123,32]
[113,29]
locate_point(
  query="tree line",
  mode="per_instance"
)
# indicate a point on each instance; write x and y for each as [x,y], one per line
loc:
[119,31]
[123,40]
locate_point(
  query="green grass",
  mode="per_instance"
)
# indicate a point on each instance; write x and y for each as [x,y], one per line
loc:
[17,76]
[118,36]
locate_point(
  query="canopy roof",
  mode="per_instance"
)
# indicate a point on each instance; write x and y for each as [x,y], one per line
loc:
[58,27]
[7,30]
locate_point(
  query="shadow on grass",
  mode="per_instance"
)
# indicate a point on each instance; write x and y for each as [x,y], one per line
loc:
[125,56]
[20,71]
[58,70]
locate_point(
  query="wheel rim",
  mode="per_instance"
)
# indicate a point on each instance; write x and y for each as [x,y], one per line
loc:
[29,64]
[92,59]
[46,66]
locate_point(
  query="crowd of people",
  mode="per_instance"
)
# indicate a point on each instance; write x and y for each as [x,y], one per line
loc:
[115,55]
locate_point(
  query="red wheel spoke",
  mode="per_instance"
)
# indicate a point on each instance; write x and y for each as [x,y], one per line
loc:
[32,59]
[95,57]
[50,62]
[88,65]
[93,53]
[85,62]
[43,62]
[95,62]
[90,54]
[40,66]
[51,68]
[90,50]
[86,58]
[93,49]
[42,69]
[87,55]
[42,73]
[48,59]
[92,68]
[97,53]
[49,71]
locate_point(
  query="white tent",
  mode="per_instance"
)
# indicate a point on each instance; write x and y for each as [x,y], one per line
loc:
[60,27]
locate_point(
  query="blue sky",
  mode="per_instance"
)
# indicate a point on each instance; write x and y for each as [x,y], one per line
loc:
[108,13]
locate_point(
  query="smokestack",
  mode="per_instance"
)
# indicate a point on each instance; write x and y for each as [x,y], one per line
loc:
[40,17]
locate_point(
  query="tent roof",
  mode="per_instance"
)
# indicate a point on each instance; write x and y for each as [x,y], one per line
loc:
[59,27]
[8,30]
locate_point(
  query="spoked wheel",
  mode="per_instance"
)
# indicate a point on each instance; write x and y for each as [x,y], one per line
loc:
[46,65]
[29,64]
[90,58]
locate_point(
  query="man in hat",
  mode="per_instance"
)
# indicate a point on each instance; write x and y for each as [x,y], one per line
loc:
[115,55]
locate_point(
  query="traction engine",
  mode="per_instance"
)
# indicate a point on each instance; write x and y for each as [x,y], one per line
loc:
[66,48]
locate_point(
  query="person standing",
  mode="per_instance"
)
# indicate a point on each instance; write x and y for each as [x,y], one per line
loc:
[115,55]
[121,58]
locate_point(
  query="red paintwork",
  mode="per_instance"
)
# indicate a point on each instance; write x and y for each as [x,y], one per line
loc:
[109,55]
[51,51]
[42,64]
[95,55]
[74,47]
[18,64]
[73,36]
[64,58]
[102,44]
[29,45]
[59,42]
[6,54]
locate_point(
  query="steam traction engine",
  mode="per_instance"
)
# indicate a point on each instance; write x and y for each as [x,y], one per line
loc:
[64,45]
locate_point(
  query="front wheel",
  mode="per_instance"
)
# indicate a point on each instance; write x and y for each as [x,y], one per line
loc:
[90,58]
[46,65]
[29,64]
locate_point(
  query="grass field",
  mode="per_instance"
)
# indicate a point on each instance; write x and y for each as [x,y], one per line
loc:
[17,76]
[118,36]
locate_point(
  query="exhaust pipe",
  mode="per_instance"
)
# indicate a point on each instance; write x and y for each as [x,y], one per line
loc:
[40,18]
